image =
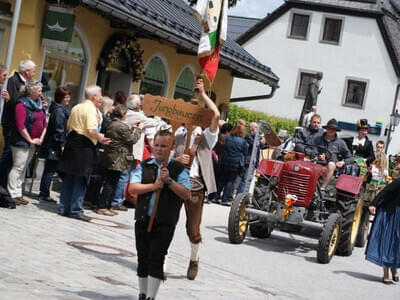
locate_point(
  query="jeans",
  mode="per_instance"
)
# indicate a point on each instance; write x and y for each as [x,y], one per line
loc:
[120,189]
[72,193]
[110,181]
[226,180]
[6,158]
[242,183]
[50,167]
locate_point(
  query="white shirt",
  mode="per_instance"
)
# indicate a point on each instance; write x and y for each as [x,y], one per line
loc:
[375,173]
[357,141]
[211,139]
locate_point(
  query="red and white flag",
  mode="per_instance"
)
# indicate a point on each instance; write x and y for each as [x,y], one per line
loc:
[213,16]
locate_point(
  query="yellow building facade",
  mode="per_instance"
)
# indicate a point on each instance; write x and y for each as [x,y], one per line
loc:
[167,33]
[94,31]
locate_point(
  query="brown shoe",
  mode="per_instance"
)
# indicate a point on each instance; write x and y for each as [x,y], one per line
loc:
[192,270]
[104,212]
[113,211]
[20,201]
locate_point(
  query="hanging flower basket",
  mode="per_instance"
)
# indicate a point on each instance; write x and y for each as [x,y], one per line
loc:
[123,53]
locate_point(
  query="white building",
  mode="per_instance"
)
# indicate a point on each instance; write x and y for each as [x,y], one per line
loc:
[354,43]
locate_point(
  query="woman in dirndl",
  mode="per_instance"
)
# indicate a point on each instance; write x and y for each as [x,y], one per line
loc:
[383,246]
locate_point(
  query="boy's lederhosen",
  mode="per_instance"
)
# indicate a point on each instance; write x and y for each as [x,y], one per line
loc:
[152,247]
[205,182]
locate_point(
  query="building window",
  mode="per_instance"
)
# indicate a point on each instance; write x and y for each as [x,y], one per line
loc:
[299,26]
[304,82]
[154,81]
[64,68]
[332,30]
[355,93]
[184,85]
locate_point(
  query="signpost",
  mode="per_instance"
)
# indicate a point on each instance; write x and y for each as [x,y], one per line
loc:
[177,112]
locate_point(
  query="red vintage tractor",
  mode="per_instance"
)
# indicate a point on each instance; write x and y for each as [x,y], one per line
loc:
[286,195]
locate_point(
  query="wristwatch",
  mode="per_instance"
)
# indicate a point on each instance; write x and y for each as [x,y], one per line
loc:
[169,181]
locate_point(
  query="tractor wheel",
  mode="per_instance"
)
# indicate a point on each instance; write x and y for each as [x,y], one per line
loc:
[351,212]
[238,219]
[363,230]
[261,231]
[329,240]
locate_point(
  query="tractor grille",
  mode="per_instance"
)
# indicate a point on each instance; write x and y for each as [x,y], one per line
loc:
[294,183]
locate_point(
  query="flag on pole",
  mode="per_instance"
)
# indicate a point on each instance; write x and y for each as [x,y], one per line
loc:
[213,16]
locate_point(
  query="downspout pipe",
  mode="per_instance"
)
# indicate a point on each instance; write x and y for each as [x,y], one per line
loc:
[259,97]
[396,95]
[11,43]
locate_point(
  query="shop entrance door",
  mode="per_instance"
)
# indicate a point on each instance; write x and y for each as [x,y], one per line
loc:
[111,82]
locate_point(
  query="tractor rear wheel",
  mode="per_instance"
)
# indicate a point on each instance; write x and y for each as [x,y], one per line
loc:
[363,230]
[261,231]
[329,239]
[238,219]
[351,211]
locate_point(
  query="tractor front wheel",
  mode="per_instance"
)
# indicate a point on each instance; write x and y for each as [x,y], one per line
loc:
[238,219]
[329,239]
[351,213]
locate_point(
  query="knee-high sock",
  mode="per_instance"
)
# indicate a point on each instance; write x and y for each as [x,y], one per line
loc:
[194,251]
[152,287]
[142,285]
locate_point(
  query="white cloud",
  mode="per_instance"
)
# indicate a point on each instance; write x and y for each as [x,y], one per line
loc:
[254,8]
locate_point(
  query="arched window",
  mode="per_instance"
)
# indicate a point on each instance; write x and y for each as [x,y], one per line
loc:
[154,81]
[184,85]
[65,68]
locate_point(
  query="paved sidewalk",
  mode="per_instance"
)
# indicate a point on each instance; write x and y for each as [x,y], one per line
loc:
[39,260]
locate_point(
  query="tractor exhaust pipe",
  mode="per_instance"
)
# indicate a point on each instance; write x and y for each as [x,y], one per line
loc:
[274,218]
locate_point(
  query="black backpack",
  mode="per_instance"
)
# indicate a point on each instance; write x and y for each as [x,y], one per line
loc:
[5,199]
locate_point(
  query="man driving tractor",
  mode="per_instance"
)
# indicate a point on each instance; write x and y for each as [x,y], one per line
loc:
[337,154]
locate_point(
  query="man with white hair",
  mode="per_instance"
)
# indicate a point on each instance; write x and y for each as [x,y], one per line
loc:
[26,72]
[77,158]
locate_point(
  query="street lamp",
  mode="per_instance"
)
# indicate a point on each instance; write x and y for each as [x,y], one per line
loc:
[394,122]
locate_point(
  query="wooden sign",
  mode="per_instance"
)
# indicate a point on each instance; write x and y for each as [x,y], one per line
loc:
[176,110]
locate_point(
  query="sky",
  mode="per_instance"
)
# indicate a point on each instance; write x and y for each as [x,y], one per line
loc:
[254,8]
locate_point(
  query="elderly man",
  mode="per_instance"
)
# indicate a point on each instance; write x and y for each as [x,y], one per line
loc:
[27,69]
[339,153]
[77,157]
